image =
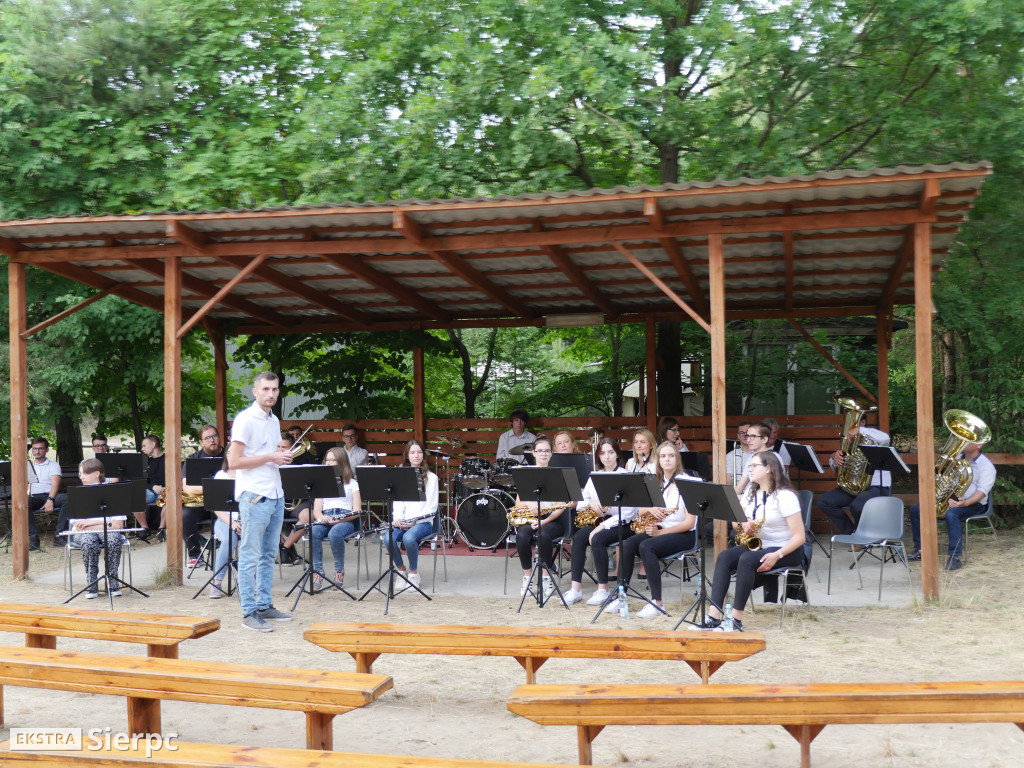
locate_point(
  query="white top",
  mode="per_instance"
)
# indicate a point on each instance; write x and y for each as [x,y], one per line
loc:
[674,501]
[416,510]
[984,477]
[509,440]
[650,468]
[882,477]
[44,476]
[222,475]
[357,456]
[737,457]
[628,513]
[343,502]
[773,509]
[260,433]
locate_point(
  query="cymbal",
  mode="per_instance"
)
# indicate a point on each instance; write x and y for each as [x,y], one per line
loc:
[438,451]
[519,450]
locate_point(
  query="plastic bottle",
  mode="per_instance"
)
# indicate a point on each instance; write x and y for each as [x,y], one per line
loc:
[623,605]
[727,620]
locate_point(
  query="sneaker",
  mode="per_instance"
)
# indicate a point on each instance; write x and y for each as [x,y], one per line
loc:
[709,623]
[914,556]
[255,622]
[414,579]
[737,626]
[272,614]
[549,587]
[143,535]
[954,564]
[115,593]
[649,611]
[526,586]
[598,597]
[573,596]
[216,593]
[613,607]
[161,535]
[192,560]
[91,595]
[58,541]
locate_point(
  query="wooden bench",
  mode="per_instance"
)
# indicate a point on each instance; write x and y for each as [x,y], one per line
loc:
[803,710]
[146,681]
[182,755]
[43,624]
[704,652]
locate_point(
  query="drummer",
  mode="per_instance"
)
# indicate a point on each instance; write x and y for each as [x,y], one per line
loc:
[516,437]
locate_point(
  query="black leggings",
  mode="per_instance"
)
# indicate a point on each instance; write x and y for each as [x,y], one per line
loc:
[651,549]
[744,563]
[526,535]
[602,539]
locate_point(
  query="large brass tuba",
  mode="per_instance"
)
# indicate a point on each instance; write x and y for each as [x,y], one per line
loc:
[952,474]
[853,477]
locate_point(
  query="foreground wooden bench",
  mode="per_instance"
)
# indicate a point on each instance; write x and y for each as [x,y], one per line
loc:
[182,755]
[803,710]
[43,624]
[704,652]
[147,681]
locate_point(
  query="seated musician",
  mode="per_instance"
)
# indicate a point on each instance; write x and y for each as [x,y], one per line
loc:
[736,459]
[305,452]
[564,443]
[835,502]
[515,437]
[668,430]
[672,529]
[221,521]
[156,483]
[543,530]
[758,439]
[413,521]
[776,443]
[643,459]
[609,459]
[88,534]
[774,515]
[299,508]
[335,519]
[191,517]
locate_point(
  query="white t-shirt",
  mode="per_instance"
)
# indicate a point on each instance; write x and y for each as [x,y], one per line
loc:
[674,501]
[260,432]
[342,502]
[417,510]
[773,509]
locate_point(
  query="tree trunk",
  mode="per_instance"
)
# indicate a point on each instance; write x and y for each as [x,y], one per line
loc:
[947,347]
[133,408]
[670,370]
[69,435]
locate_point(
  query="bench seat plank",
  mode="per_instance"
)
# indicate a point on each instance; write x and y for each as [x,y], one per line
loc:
[705,652]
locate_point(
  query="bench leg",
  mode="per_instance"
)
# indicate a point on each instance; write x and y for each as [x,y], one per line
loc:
[320,731]
[364,661]
[41,641]
[162,651]
[143,715]
[585,735]
[705,668]
[805,734]
[531,664]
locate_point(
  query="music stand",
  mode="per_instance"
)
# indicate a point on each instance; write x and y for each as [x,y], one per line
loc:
[577,461]
[219,495]
[390,484]
[719,502]
[195,471]
[86,501]
[805,459]
[625,489]
[883,457]
[5,489]
[696,463]
[312,481]
[123,466]
[557,484]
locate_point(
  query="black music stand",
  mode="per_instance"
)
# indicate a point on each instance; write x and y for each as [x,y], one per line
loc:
[123,466]
[696,463]
[804,459]
[719,502]
[5,489]
[625,489]
[391,484]
[85,501]
[197,470]
[219,495]
[581,462]
[883,457]
[558,484]
[312,481]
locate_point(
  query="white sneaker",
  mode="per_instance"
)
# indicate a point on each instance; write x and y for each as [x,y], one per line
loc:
[549,587]
[414,579]
[598,597]
[115,593]
[216,593]
[526,585]
[649,611]
[573,596]
[91,595]
[613,608]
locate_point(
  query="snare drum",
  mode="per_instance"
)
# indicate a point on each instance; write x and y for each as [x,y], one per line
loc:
[503,473]
[476,472]
[482,518]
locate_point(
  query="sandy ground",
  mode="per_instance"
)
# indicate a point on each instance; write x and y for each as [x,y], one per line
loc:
[455,707]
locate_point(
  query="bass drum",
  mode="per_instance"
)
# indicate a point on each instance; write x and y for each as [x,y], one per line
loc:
[482,519]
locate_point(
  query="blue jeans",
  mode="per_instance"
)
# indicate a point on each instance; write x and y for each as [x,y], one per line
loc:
[955,517]
[151,497]
[220,531]
[411,538]
[261,538]
[336,535]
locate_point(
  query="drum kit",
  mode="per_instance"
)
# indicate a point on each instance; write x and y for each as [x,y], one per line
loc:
[481,495]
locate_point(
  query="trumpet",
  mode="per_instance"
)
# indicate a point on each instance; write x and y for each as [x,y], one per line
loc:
[750,540]
[641,521]
[527,513]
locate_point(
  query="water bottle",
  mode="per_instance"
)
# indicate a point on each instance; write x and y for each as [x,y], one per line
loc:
[623,605]
[727,620]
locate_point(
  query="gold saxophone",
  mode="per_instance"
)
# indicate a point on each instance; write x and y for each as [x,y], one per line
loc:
[527,513]
[187,499]
[954,475]
[640,522]
[586,516]
[751,540]
[853,476]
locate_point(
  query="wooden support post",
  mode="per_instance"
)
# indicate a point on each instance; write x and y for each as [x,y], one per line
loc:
[650,335]
[925,428]
[585,735]
[143,715]
[531,664]
[172,414]
[883,331]
[33,640]
[158,651]
[419,413]
[716,280]
[364,661]
[16,283]
[320,731]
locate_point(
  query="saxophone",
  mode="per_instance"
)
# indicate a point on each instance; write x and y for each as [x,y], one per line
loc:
[751,540]
[641,521]
[527,513]
[852,477]
[586,516]
[187,499]
[953,475]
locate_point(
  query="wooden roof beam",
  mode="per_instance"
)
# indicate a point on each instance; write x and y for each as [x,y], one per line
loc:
[8,247]
[66,313]
[663,286]
[578,277]
[415,233]
[930,197]
[98,281]
[357,267]
[221,296]
[682,266]
[899,269]
[787,246]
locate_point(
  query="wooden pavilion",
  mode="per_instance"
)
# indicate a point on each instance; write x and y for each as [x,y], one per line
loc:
[831,244]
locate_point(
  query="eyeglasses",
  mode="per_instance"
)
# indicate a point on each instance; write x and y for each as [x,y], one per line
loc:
[210,437]
[542,450]
[751,465]
[349,437]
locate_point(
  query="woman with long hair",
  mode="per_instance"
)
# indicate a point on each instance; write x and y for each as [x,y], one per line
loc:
[564,443]
[88,535]
[336,519]
[643,459]
[771,505]
[413,521]
[668,430]
[543,530]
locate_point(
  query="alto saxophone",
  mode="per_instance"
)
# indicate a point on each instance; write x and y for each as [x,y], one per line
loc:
[751,540]
[586,516]
[527,513]
[641,521]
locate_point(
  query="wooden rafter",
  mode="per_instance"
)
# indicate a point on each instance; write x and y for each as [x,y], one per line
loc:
[382,282]
[579,278]
[832,361]
[95,280]
[663,286]
[66,313]
[899,268]
[678,260]
[222,296]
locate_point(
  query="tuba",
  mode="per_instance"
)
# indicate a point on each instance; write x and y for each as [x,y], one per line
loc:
[953,475]
[853,477]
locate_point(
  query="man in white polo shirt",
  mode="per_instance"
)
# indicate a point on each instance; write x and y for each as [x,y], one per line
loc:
[257,462]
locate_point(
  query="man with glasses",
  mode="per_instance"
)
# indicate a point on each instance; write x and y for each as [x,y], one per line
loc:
[209,448]
[736,459]
[44,492]
[356,454]
[99,444]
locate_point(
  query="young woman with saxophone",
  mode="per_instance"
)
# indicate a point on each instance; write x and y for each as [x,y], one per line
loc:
[773,515]
[669,529]
[544,529]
